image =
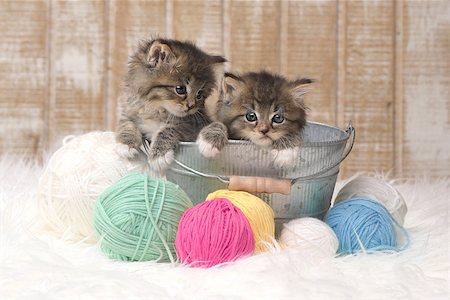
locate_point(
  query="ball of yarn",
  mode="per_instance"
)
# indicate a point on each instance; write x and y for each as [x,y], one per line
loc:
[258,213]
[212,233]
[375,189]
[309,235]
[74,177]
[362,224]
[137,218]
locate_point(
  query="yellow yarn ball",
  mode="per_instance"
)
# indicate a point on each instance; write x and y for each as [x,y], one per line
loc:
[259,214]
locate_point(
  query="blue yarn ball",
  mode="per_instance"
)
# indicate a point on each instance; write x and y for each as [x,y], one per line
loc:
[362,224]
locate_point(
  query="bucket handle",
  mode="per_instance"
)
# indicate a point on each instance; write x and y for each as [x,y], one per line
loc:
[350,131]
[266,184]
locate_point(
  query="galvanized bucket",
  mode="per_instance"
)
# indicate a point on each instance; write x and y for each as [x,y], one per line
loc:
[303,190]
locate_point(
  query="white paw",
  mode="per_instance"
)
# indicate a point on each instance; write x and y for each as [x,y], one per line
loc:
[285,158]
[206,149]
[125,151]
[162,163]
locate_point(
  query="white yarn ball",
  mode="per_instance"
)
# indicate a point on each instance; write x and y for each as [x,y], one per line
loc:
[76,174]
[310,235]
[375,189]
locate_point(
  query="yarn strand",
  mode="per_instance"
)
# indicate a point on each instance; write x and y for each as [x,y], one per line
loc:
[138,218]
[212,233]
[259,214]
[364,225]
[74,177]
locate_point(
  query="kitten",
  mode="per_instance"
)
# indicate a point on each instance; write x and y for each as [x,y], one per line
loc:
[163,98]
[264,108]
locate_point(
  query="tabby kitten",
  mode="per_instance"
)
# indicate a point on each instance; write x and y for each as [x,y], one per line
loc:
[264,108]
[163,98]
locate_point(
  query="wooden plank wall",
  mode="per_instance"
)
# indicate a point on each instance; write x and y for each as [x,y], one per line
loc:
[368,68]
[24,61]
[425,90]
[383,64]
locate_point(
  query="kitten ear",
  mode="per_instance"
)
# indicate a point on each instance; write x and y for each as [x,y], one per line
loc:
[299,88]
[159,53]
[230,83]
[217,59]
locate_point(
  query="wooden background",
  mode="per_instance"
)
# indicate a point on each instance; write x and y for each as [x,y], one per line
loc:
[385,65]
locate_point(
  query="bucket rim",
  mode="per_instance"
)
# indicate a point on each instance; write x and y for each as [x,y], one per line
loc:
[304,144]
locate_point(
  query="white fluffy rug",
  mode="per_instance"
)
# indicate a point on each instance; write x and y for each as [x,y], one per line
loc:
[42,267]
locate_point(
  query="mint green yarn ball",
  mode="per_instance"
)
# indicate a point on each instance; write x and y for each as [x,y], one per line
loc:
[137,218]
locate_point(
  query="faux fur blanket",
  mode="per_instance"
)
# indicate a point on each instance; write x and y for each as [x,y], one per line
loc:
[43,267]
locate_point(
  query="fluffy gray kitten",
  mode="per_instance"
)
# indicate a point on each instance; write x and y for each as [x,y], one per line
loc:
[163,98]
[265,108]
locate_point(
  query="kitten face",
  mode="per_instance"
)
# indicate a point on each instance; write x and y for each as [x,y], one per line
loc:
[174,75]
[263,108]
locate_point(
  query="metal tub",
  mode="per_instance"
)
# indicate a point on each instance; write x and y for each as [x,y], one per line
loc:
[312,179]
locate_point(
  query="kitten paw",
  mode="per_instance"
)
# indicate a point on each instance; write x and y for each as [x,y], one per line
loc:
[212,139]
[205,148]
[126,151]
[285,158]
[162,163]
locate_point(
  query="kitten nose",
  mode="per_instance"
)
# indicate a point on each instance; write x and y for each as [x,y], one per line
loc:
[190,105]
[264,130]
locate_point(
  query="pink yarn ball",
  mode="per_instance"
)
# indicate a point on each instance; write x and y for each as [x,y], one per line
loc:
[213,232]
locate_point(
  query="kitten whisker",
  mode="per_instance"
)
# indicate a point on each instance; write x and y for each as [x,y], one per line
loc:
[202,114]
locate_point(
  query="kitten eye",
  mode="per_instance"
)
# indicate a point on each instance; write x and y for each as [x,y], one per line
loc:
[278,119]
[251,117]
[199,95]
[180,89]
